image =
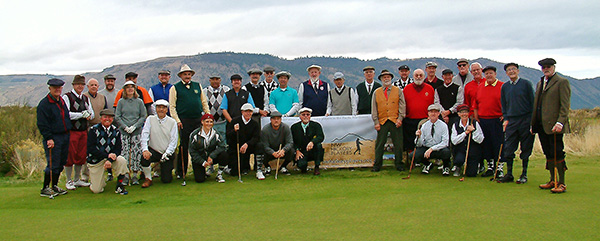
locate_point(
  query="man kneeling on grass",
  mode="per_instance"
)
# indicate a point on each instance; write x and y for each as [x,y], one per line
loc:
[104,150]
[207,147]
[159,140]
[432,141]
[308,136]
[276,139]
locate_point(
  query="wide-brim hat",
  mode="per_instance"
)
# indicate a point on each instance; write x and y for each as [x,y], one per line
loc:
[283,73]
[313,66]
[162,102]
[108,112]
[246,106]
[385,72]
[186,68]
[305,109]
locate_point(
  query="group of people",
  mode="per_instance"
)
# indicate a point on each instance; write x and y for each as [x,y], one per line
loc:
[464,118]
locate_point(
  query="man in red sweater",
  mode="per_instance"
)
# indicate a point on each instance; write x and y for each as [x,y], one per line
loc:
[471,87]
[418,97]
[488,112]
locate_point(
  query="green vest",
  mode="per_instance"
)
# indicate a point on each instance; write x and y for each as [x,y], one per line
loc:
[189,101]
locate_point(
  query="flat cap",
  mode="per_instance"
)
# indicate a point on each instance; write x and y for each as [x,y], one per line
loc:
[164,71]
[207,116]
[109,76]
[214,76]
[368,68]
[338,75]
[235,76]
[462,60]
[162,102]
[254,71]
[108,112]
[131,74]
[447,71]
[489,68]
[511,64]
[55,82]
[403,67]
[313,66]
[462,107]
[283,73]
[431,64]
[79,79]
[276,114]
[547,61]
[385,72]
[246,106]
[305,109]
[434,107]
[268,69]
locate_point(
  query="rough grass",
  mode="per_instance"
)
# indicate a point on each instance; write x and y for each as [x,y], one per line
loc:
[339,205]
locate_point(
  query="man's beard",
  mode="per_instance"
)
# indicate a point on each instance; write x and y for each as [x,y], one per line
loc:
[419,82]
[110,87]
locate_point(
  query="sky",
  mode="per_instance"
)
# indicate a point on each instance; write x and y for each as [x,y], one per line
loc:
[71,37]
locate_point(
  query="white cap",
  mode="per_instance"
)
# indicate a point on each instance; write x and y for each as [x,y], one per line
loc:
[338,75]
[129,82]
[247,106]
[313,66]
[162,102]
[434,107]
[305,109]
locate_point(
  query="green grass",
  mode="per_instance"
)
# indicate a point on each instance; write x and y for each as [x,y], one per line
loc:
[339,204]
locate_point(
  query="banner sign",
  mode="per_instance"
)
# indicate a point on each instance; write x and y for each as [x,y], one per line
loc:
[349,140]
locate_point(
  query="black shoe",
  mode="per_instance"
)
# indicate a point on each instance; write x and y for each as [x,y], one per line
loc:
[488,173]
[507,178]
[47,192]
[109,177]
[58,191]
[522,179]
[121,190]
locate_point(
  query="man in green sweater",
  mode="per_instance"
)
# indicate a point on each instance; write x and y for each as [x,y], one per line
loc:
[308,136]
[276,139]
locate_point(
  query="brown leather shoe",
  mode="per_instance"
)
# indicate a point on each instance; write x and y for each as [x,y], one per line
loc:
[548,185]
[147,183]
[560,189]
[317,172]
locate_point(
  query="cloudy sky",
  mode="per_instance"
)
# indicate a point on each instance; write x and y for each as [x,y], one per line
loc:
[69,37]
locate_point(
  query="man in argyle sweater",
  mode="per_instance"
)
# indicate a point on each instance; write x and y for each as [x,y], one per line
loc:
[215,92]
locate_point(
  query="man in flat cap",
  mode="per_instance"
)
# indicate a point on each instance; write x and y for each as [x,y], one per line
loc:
[488,112]
[343,99]
[516,97]
[109,90]
[449,96]
[366,89]
[80,112]
[54,126]
[187,104]
[308,137]
[161,90]
[104,152]
[141,91]
[432,141]
[259,94]
[466,132]
[404,80]
[432,79]
[269,83]
[276,139]
[235,98]
[314,92]
[215,92]
[388,111]
[244,132]
[463,77]
[159,140]
[418,96]
[550,119]
[284,99]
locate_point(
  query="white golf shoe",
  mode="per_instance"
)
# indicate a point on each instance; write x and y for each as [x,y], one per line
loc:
[259,175]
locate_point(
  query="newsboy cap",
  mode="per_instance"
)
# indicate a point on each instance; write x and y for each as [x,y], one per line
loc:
[108,112]
[430,64]
[131,74]
[268,69]
[510,64]
[254,71]
[462,60]
[283,73]
[368,68]
[235,76]
[447,71]
[403,67]
[55,82]
[489,68]
[547,61]
[109,76]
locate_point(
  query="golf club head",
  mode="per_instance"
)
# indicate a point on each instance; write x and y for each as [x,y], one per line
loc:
[51,197]
[408,177]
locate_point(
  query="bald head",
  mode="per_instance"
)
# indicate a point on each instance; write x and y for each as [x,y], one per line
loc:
[93,86]
[419,76]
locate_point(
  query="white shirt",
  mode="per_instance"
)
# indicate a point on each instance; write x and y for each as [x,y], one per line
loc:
[78,115]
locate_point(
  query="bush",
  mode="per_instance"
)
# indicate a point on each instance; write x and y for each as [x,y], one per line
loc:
[18,124]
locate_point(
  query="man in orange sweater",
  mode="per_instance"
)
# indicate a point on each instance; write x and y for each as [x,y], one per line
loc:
[388,110]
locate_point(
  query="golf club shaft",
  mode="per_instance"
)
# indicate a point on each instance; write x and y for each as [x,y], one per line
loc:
[555,168]
[50,162]
[277,170]
[498,161]
[467,155]
[238,155]
[182,165]
[412,161]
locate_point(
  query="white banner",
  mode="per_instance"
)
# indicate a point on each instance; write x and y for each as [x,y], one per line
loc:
[349,140]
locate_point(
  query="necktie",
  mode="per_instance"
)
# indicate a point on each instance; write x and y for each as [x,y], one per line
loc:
[369,89]
[316,86]
[385,93]
[432,129]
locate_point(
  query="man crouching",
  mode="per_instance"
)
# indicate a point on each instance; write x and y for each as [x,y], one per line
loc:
[159,140]
[432,141]
[104,151]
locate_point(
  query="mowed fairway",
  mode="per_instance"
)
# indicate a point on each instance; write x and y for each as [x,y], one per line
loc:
[339,204]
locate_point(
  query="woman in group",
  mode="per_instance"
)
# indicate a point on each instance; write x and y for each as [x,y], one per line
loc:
[130,116]
[207,148]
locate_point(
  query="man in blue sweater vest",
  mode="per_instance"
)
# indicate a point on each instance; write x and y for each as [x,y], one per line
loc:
[516,97]
[314,92]
[161,90]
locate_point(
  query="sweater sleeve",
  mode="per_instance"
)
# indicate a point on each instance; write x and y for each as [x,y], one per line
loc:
[319,136]
[142,116]
[42,122]
[264,140]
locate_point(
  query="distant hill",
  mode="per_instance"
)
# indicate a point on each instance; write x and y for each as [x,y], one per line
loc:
[29,89]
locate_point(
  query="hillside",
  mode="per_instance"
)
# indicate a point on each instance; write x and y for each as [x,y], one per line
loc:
[29,89]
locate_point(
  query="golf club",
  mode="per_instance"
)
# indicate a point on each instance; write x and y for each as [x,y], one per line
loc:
[238,156]
[497,162]
[50,162]
[555,168]
[129,163]
[466,158]
[182,166]
[411,165]
[277,170]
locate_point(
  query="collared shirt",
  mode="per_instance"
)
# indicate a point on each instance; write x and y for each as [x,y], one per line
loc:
[224,103]
[78,115]
[437,140]
[312,83]
[353,100]
[246,121]
[476,135]
[285,101]
[265,97]
[515,82]
[304,126]
[493,84]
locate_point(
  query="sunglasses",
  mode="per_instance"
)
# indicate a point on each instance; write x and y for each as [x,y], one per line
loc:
[305,114]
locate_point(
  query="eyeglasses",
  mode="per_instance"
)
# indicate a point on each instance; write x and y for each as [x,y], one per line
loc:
[462,65]
[305,114]
[511,69]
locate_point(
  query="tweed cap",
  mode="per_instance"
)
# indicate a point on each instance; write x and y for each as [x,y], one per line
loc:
[276,114]
[447,71]
[283,73]
[431,64]
[79,79]
[547,61]
[131,74]
[368,68]
[313,66]
[254,71]
[109,76]
[108,112]
[403,67]
[55,82]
